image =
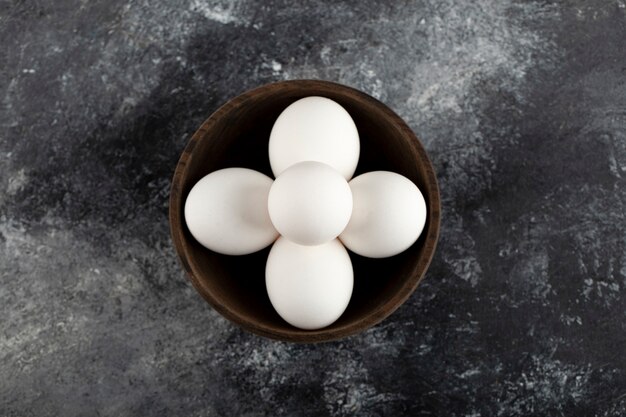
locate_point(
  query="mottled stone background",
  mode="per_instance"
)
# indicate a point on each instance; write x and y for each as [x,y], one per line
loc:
[521,104]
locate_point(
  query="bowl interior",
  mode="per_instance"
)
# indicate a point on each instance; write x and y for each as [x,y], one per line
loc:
[237,136]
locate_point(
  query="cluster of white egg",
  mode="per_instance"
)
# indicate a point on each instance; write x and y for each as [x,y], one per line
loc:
[309,212]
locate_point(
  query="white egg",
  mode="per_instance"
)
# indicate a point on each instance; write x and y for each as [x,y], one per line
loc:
[315,129]
[310,203]
[388,216]
[226,211]
[309,286]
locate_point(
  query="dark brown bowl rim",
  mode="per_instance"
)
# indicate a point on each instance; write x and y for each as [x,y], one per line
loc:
[330,333]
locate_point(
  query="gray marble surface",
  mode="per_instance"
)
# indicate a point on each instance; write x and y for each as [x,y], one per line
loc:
[521,105]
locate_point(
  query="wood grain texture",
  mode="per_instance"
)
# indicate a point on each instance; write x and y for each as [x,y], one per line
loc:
[237,135]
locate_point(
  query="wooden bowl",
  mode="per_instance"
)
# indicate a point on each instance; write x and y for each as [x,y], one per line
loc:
[237,135]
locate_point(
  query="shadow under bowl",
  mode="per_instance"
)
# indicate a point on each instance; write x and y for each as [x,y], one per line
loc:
[237,135]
